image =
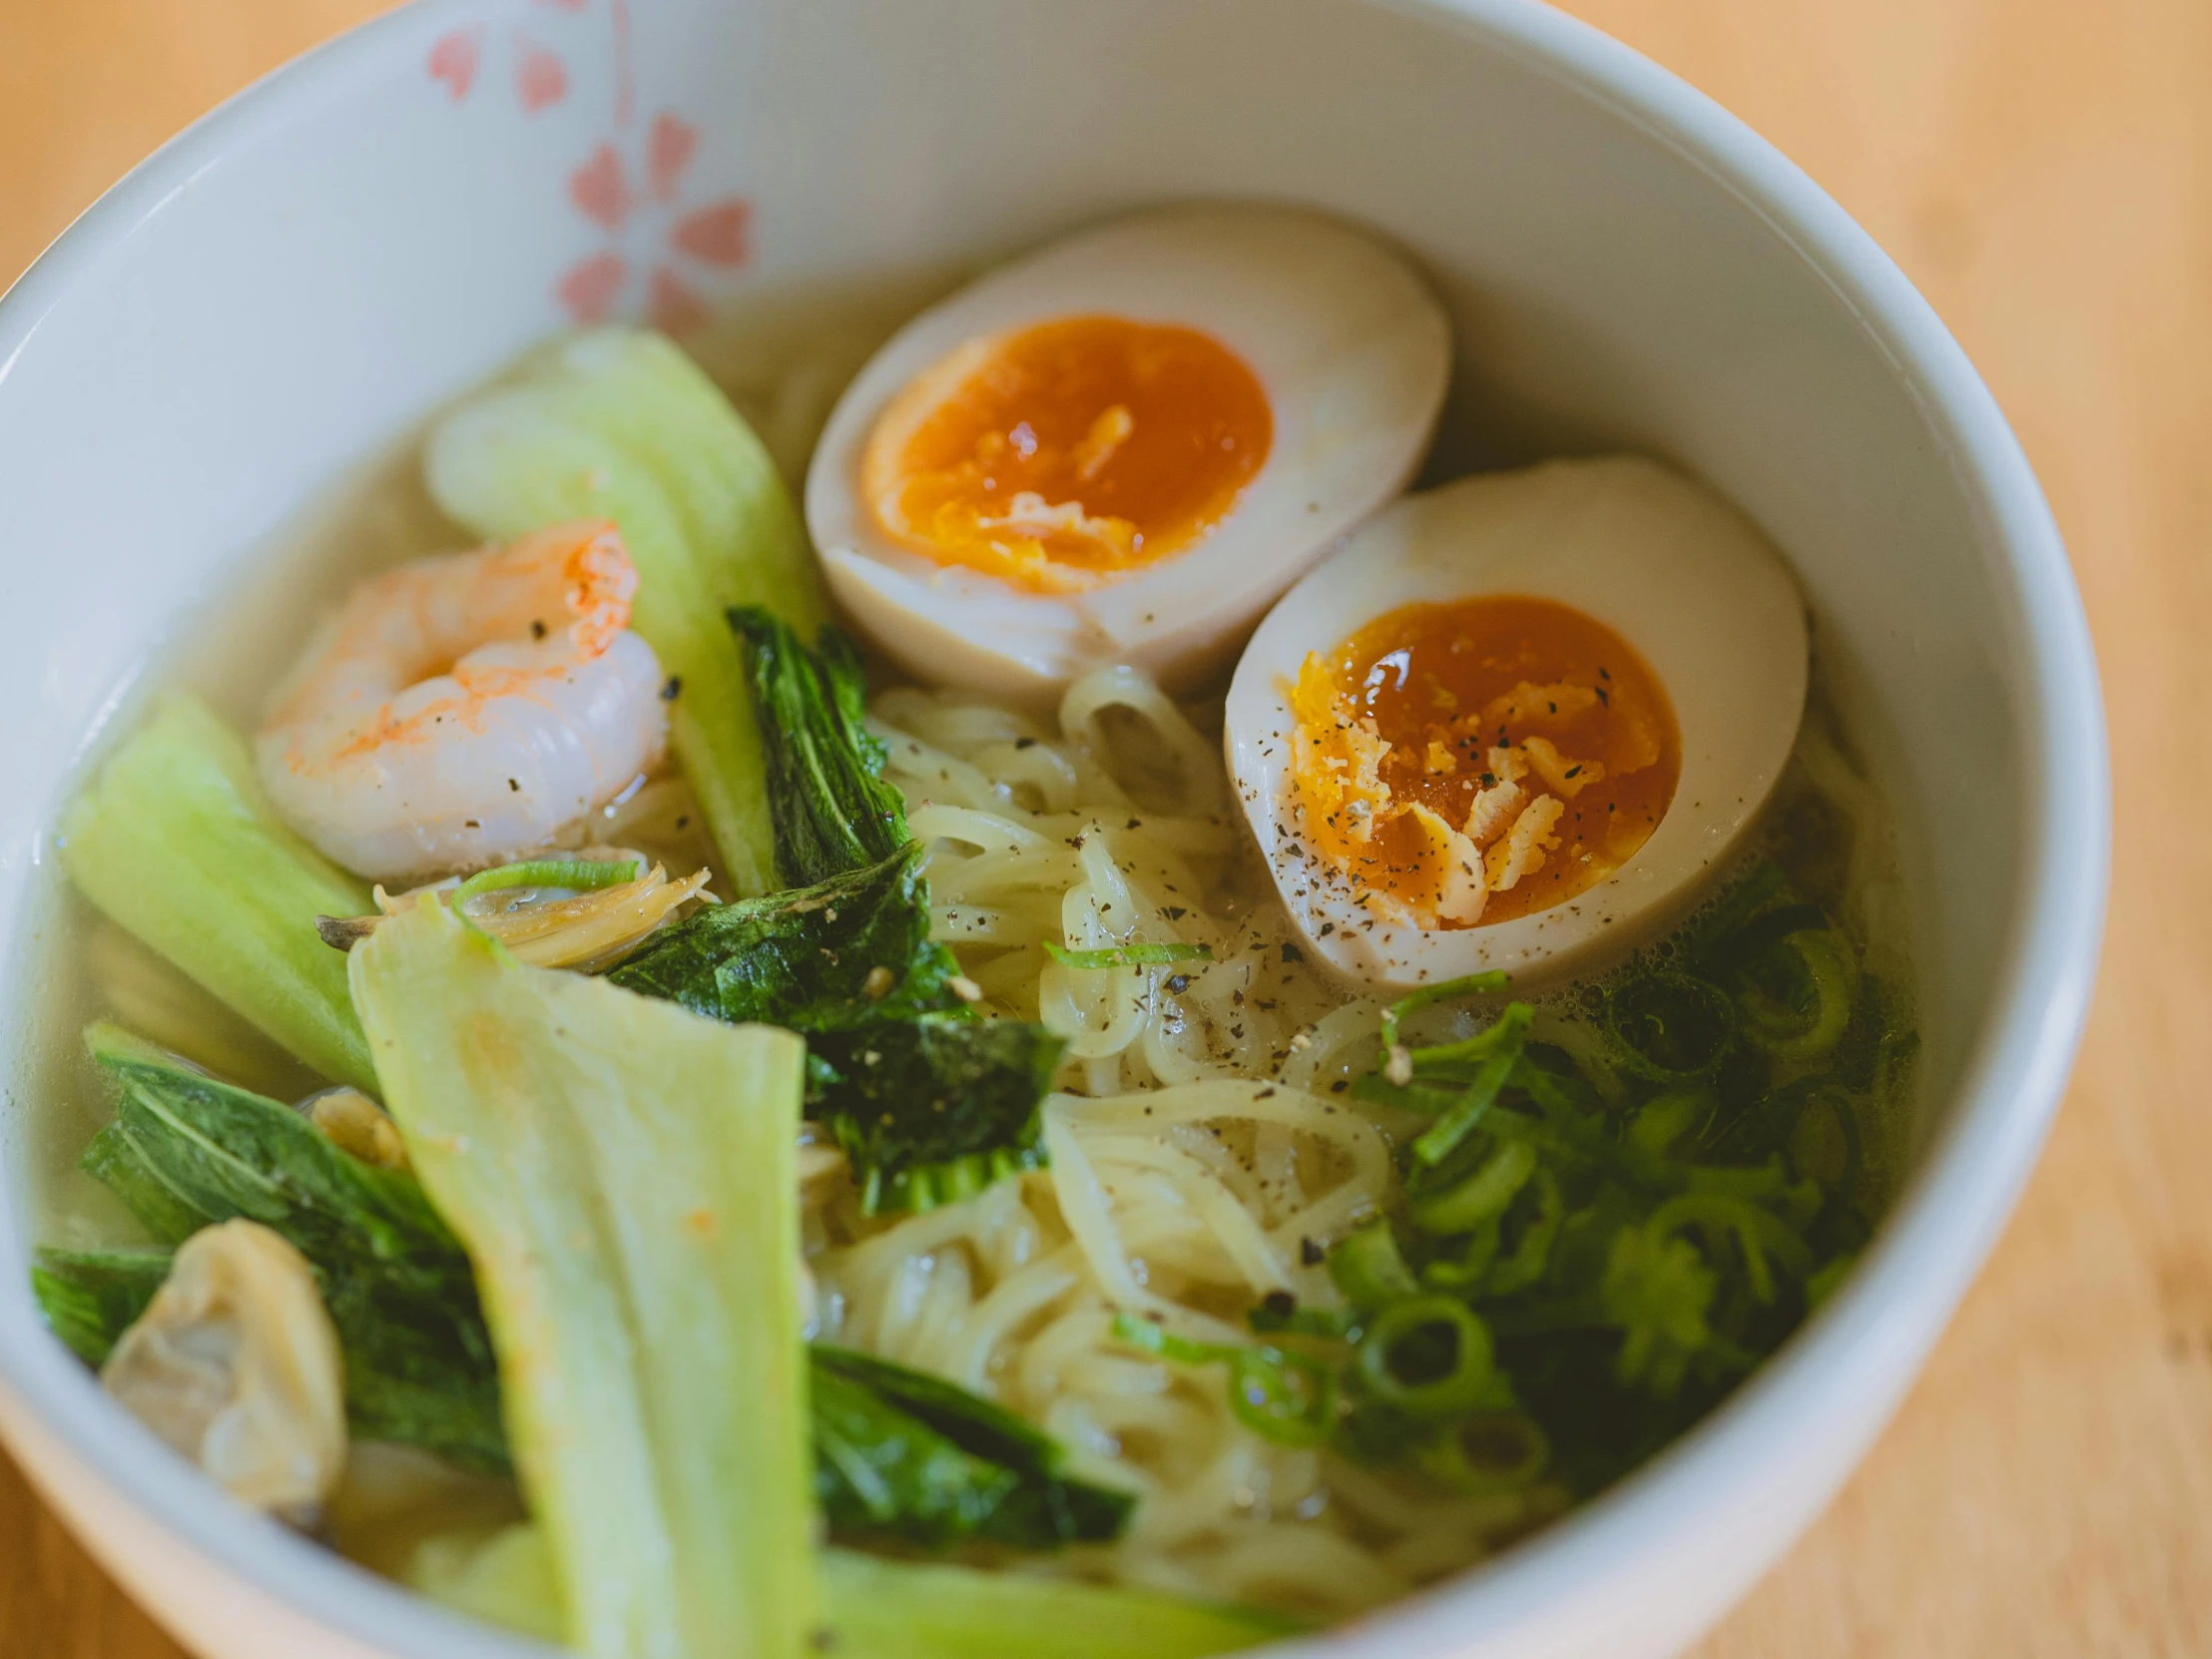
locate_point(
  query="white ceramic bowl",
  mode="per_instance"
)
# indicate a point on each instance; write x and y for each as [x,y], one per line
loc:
[299,279]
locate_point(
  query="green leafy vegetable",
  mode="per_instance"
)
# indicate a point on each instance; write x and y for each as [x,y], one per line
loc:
[833,813]
[173,842]
[853,949]
[871,1608]
[930,1105]
[879,1470]
[91,1297]
[623,1176]
[933,1110]
[1129,956]
[618,423]
[185,1151]
[879,1609]
[930,1462]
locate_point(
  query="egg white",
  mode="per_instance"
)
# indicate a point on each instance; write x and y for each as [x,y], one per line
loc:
[1348,346]
[1673,569]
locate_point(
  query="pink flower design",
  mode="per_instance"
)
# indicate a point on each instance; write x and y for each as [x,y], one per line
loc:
[720,235]
[630,191]
[600,192]
[668,151]
[541,79]
[453,60]
[716,234]
[589,288]
[673,306]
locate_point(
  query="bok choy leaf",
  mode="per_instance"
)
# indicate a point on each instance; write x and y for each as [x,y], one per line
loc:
[185,1151]
[834,811]
[928,1104]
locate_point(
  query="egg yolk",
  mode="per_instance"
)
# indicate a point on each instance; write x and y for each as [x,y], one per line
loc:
[1067,454]
[1468,763]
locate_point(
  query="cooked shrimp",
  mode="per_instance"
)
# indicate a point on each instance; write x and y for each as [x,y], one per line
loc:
[464,708]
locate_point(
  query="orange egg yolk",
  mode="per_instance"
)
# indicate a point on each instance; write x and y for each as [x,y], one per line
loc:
[1067,454]
[1468,763]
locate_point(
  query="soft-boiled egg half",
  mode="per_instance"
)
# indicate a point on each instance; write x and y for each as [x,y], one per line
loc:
[1518,721]
[1123,447]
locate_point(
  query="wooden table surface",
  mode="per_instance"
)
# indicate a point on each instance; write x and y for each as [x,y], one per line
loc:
[2043,168]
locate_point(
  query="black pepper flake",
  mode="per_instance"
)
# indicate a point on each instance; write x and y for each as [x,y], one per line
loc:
[1602,674]
[537,628]
[1602,698]
[1174,912]
[473,824]
[1326,928]
[1025,743]
[1178,984]
[1281,1304]
[512,784]
[1311,1255]
[684,821]
[1573,772]
[1340,1086]
[1290,953]
[674,688]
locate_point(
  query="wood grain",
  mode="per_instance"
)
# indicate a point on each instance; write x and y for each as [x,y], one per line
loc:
[2044,170]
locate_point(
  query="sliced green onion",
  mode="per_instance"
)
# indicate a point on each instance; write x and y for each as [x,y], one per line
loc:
[1509,1032]
[1671,1028]
[1158,1341]
[574,874]
[1281,1312]
[1790,1033]
[1129,956]
[1366,1267]
[1823,1282]
[1758,1233]
[1473,985]
[1430,1357]
[1481,1196]
[1531,1253]
[1467,1271]
[1417,1096]
[1811,1151]
[1289,1399]
[1710,934]
[1666,1117]
[1486,1455]
[1434,1143]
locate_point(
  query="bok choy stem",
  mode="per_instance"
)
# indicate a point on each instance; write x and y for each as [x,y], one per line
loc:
[623,1175]
[173,842]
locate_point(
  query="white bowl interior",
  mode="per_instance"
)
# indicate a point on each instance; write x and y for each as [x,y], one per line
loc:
[293,287]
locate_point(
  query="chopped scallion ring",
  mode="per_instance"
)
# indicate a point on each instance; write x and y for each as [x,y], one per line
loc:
[1129,956]
[574,874]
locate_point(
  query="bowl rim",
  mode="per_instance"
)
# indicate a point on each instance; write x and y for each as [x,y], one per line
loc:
[1873,1335]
